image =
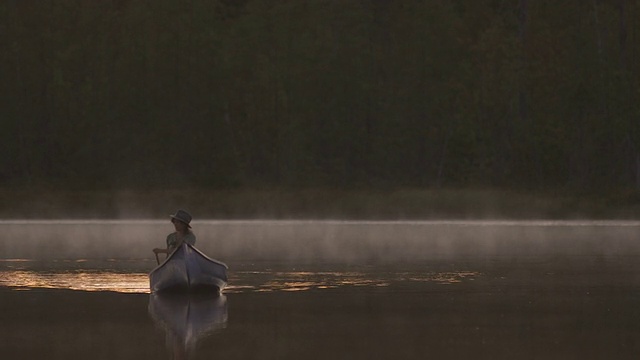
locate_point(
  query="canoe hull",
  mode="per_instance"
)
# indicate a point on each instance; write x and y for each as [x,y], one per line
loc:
[187,269]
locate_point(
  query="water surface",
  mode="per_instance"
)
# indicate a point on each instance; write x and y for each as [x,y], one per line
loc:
[326,289]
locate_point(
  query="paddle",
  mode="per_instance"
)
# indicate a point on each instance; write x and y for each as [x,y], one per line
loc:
[157,251]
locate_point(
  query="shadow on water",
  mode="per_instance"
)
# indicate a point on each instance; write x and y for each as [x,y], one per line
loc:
[187,318]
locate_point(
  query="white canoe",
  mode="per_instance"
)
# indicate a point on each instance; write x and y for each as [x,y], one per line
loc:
[187,269]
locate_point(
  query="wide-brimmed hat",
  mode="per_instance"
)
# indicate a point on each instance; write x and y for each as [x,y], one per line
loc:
[182,216]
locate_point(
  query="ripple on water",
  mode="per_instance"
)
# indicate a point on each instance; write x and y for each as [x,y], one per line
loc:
[84,279]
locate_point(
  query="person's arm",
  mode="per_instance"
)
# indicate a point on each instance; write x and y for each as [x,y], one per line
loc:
[169,249]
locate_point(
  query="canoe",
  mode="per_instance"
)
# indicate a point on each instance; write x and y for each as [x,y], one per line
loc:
[187,269]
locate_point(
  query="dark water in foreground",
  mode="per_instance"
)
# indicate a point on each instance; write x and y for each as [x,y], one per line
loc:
[326,290]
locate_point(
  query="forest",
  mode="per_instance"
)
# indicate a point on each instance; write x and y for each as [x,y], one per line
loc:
[342,94]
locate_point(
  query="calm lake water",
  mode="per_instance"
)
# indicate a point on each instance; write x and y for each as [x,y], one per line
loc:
[326,290]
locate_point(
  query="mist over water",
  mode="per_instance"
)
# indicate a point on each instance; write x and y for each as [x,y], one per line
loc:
[324,241]
[408,289]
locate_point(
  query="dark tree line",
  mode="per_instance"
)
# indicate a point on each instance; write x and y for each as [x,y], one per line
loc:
[355,93]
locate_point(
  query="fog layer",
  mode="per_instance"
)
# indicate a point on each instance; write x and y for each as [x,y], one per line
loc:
[328,241]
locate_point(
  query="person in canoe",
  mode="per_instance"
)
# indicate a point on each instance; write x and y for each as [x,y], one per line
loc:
[183,233]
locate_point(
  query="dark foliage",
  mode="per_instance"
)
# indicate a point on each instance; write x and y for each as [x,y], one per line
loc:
[322,93]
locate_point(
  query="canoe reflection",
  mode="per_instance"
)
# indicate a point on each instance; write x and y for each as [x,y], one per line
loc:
[188,318]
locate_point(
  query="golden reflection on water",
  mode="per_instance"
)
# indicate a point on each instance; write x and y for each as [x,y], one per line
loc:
[83,281]
[304,281]
[445,277]
[19,275]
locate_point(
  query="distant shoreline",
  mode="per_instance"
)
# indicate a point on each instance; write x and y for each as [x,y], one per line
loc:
[403,204]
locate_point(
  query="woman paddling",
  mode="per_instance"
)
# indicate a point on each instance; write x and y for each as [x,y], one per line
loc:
[183,233]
